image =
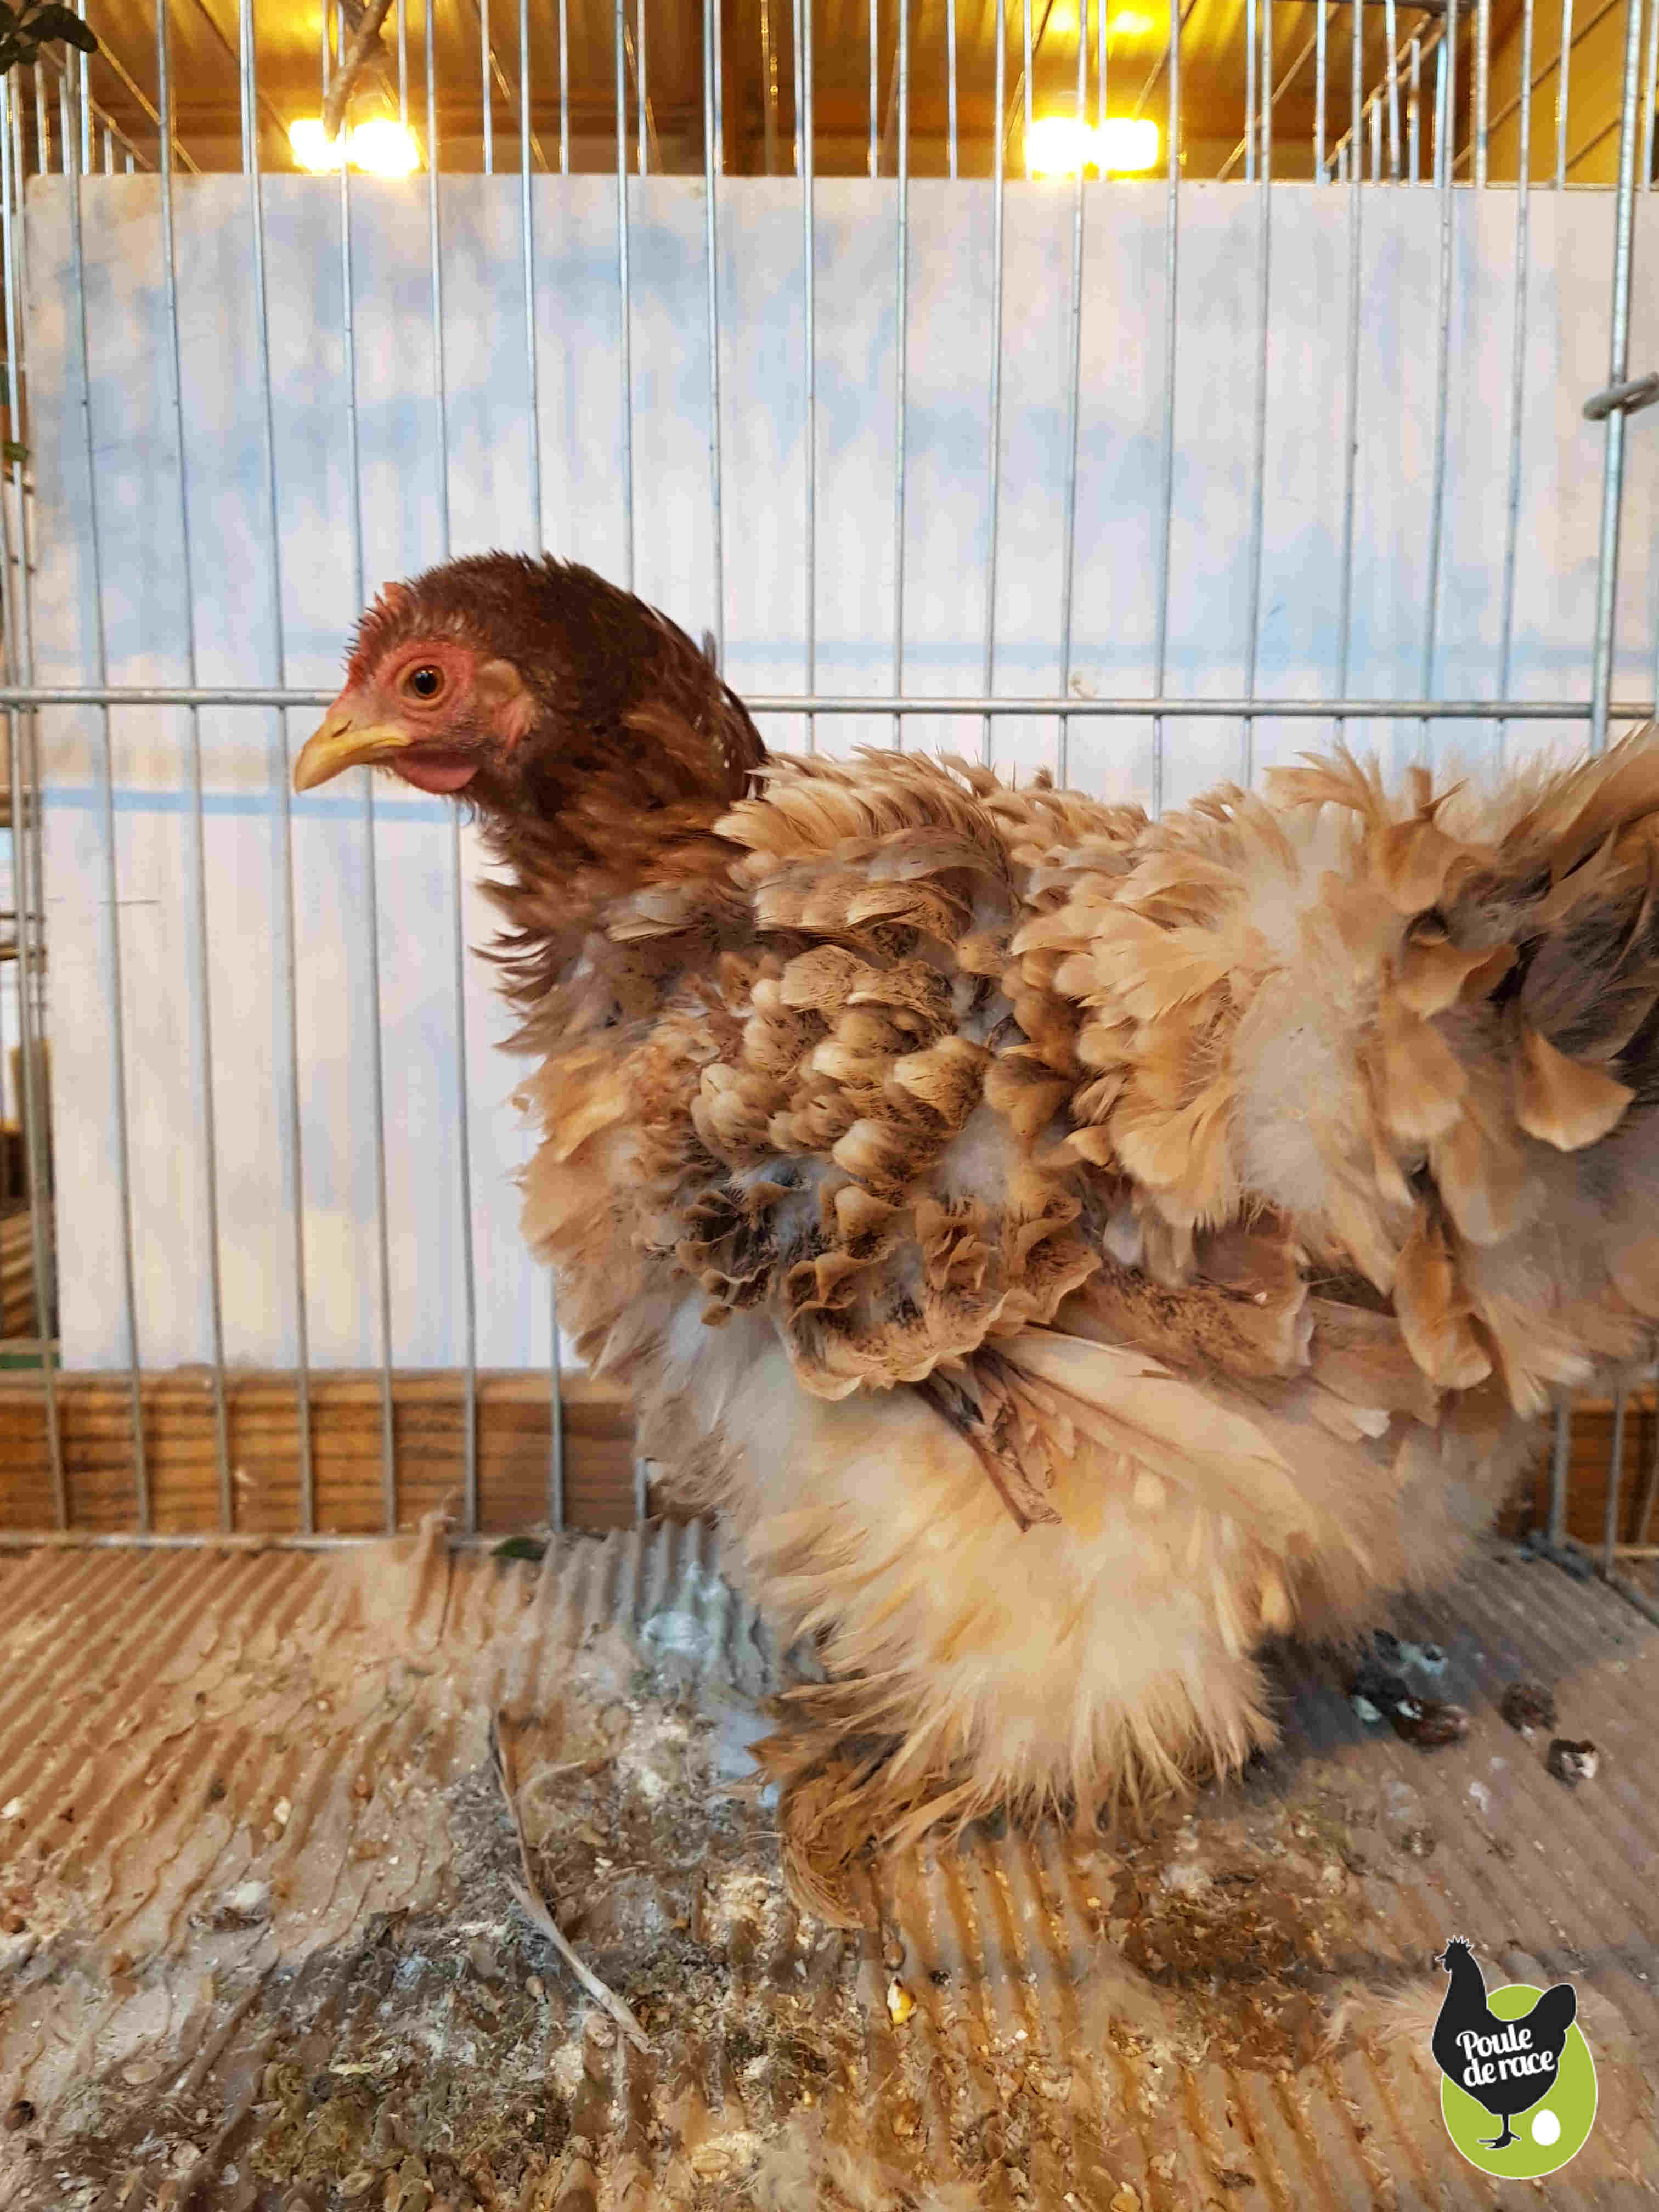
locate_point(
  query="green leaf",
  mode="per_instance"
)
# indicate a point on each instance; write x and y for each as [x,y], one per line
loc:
[11,450]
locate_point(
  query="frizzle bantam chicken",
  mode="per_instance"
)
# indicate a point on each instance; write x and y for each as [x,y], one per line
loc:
[1068,1248]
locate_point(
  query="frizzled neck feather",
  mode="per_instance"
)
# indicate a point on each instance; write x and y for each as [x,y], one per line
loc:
[603,821]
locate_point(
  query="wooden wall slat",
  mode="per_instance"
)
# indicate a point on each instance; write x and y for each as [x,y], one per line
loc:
[429,1438]
[1587,1476]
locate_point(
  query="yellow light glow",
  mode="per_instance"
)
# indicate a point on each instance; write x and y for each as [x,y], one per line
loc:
[1125,142]
[1130,23]
[385,147]
[1059,145]
[380,148]
[313,149]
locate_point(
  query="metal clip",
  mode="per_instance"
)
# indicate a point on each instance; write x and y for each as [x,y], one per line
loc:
[1641,391]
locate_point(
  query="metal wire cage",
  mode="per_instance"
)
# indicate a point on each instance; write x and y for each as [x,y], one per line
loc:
[1286,104]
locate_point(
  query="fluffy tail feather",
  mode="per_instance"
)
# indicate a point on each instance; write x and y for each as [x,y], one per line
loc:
[1455,1056]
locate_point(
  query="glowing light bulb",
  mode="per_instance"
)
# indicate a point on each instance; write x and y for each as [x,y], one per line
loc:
[1059,146]
[1125,142]
[385,147]
[382,147]
[313,148]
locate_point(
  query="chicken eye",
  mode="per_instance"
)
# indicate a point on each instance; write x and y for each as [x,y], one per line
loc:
[426,683]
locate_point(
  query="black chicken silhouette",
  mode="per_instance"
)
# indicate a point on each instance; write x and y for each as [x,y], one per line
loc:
[1507,2065]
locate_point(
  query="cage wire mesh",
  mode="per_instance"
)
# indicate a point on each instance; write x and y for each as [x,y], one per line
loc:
[153,208]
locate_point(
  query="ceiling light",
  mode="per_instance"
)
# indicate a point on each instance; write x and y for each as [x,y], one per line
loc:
[385,147]
[1059,146]
[313,148]
[1125,142]
[382,147]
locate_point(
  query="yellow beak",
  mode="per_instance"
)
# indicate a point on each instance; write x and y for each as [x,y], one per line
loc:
[341,744]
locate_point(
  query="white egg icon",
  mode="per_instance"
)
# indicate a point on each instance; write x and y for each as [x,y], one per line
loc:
[1545,2128]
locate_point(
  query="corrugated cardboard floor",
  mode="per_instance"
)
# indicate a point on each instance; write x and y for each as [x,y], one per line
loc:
[257,1946]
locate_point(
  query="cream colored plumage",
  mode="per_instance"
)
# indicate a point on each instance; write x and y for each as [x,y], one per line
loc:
[1067,1249]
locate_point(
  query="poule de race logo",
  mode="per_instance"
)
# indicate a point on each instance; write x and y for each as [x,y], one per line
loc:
[1516,2053]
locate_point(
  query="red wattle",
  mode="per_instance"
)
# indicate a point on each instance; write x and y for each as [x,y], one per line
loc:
[436,775]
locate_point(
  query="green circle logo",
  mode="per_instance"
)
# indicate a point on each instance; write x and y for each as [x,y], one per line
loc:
[1518,2087]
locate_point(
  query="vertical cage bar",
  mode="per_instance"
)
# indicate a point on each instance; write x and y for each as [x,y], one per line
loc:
[1442,119]
[875,74]
[25,882]
[249,113]
[554,1497]
[1074,397]
[1613,471]
[1563,96]
[110,888]
[377,1049]
[1171,269]
[457,934]
[42,126]
[1259,477]
[486,87]
[901,67]
[17,257]
[805,170]
[284,796]
[201,999]
[1560,1462]
[1442,303]
[1375,113]
[993,442]
[109,152]
[1391,37]
[1100,78]
[625,298]
[1351,387]
[1025,26]
[641,97]
[769,91]
[950,86]
[1320,39]
[1249,90]
[403,64]
[1517,368]
[27,879]
[1482,86]
[1615,1483]
[83,90]
[564,110]
[1415,113]
[528,234]
[713,140]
